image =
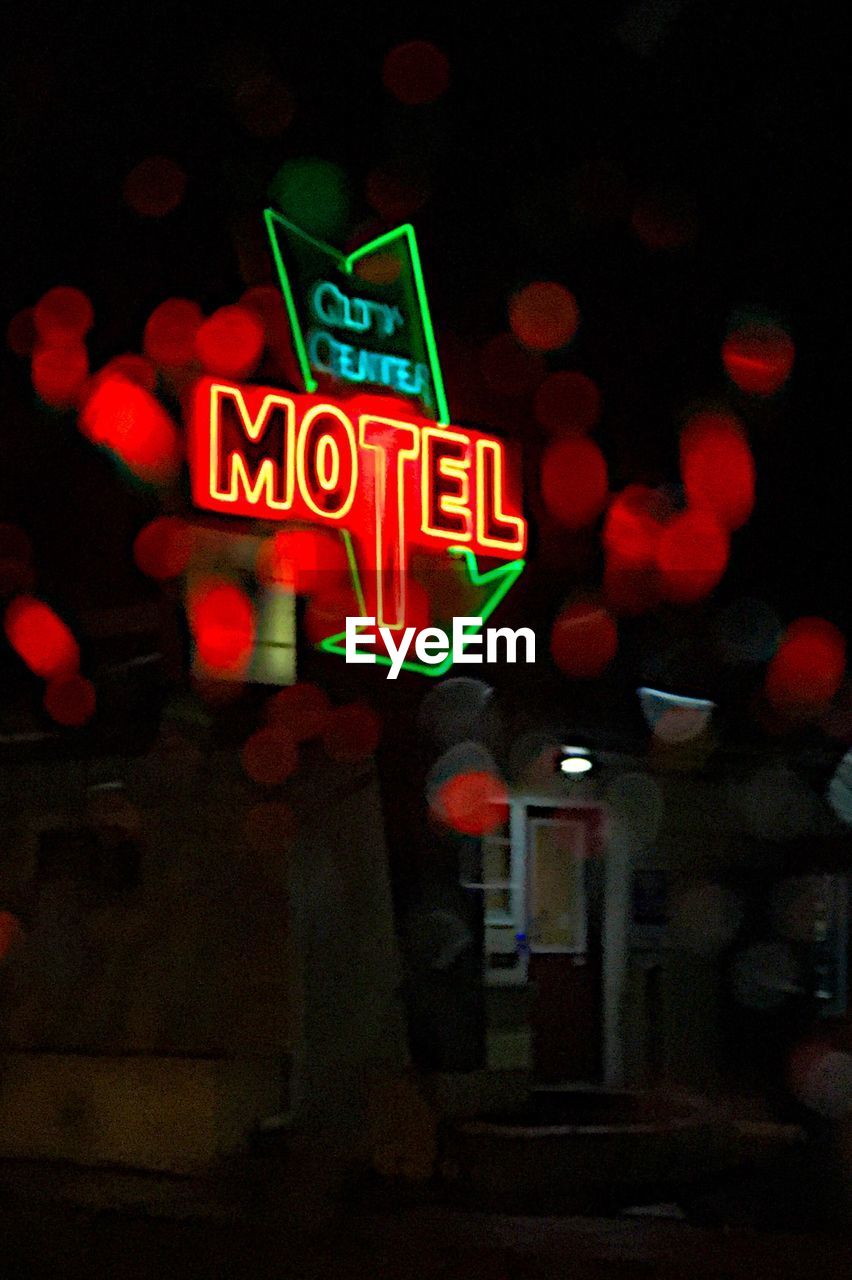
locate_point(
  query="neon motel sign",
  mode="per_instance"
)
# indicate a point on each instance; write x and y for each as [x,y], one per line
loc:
[367,449]
[367,466]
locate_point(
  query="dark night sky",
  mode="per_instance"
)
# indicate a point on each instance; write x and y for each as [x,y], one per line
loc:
[738,106]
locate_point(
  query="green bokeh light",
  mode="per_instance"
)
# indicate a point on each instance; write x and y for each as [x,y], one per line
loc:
[314,194]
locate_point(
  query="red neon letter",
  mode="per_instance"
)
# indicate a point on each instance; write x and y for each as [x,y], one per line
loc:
[231,468]
[495,527]
[446,484]
[391,444]
[327,461]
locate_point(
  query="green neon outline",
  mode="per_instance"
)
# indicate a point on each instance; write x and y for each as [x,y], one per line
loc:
[346,264]
[506,575]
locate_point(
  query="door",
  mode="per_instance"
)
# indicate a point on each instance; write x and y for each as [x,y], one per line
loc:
[564,909]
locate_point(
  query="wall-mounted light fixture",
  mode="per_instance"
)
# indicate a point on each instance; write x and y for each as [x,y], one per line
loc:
[575,761]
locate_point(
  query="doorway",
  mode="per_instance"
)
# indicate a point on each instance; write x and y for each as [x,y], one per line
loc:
[565,903]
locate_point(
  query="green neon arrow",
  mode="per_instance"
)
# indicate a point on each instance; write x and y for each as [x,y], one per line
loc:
[501,580]
[279,228]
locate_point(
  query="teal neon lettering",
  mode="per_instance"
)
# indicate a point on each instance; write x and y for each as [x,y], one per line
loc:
[357,315]
[357,364]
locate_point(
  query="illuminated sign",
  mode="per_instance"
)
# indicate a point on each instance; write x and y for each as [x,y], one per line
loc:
[367,465]
[361,317]
[367,450]
[356,363]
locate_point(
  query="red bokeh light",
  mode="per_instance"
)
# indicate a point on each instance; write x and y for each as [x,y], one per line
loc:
[568,401]
[352,733]
[41,638]
[807,668]
[134,368]
[302,709]
[169,338]
[692,555]
[717,467]
[544,316]
[574,481]
[508,368]
[270,756]
[473,803]
[230,342]
[632,528]
[758,358]
[59,374]
[70,701]
[394,195]
[11,933]
[416,72]
[222,622]
[154,187]
[584,640]
[21,333]
[163,548]
[63,316]
[304,560]
[132,423]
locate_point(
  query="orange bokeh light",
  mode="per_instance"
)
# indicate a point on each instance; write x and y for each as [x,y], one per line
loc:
[473,803]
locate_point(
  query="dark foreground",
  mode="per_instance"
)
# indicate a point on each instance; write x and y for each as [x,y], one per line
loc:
[47,1239]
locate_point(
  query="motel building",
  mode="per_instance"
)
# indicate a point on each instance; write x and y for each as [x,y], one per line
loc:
[188,984]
